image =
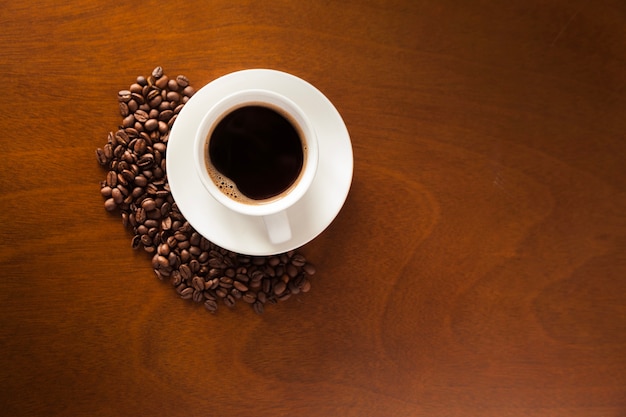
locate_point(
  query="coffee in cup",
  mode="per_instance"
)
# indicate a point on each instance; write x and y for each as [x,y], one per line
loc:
[255,153]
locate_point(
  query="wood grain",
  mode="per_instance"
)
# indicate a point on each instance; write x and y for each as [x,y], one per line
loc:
[477,269]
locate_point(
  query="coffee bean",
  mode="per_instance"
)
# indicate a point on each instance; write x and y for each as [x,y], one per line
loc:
[111,179]
[308,268]
[137,98]
[249,297]
[236,293]
[189,91]
[229,300]
[132,106]
[186,293]
[117,196]
[298,260]
[135,88]
[105,191]
[110,204]
[198,283]
[148,204]
[157,72]
[279,288]
[162,81]
[173,96]
[242,277]
[258,307]
[198,296]
[124,95]
[240,286]
[101,156]
[182,81]
[292,271]
[162,261]
[185,272]
[210,305]
[151,124]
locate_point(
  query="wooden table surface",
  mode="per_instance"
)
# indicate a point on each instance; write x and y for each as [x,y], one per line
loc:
[478,267]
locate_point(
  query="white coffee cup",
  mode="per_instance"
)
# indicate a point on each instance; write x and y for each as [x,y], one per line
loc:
[273,210]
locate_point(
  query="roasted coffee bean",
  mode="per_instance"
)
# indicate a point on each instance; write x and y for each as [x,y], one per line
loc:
[111,179]
[128,121]
[185,272]
[242,277]
[110,204]
[189,91]
[266,285]
[210,305]
[124,110]
[146,240]
[157,72]
[141,116]
[124,95]
[182,81]
[273,261]
[101,156]
[308,268]
[148,204]
[166,223]
[195,266]
[240,286]
[236,293]
[173,96]
[258,307]
[229,300]
[151,124]
[152,224]
[298,260]
[135,88]
[140,215]
[161,261]
[186,293]
[226,282]
[160,147]
[132,106]
[117,196]
[197,283]
[249,297]
[279,288]
[292,271]
[293,287]
[161,81]
[106,191]
[153,93]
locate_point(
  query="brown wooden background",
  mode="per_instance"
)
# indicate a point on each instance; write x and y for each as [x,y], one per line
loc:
[478,267]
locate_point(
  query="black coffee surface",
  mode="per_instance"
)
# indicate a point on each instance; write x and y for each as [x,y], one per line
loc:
[258,149]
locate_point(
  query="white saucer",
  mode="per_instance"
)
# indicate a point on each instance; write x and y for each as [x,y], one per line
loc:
[310,216]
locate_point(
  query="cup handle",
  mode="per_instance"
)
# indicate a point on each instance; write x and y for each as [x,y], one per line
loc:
[277,226]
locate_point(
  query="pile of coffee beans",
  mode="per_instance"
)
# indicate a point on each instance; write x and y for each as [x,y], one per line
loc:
[136,186]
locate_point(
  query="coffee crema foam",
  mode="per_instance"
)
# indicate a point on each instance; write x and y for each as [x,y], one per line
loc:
[229,188]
